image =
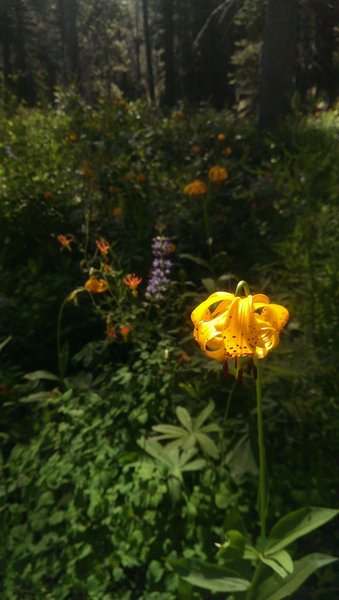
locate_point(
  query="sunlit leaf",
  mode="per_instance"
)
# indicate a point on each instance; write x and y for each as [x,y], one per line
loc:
[275,588]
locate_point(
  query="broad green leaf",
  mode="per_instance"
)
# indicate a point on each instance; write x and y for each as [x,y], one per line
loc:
[170,430]
[208,576]
[210,284]
[274,588]
[188,441]
[211,428]
[184,417]
[281,562]
[295,525]
[233,547]
[203,415]
[36,397]
[38,375]
[207,445]
[197,260]
[195,465]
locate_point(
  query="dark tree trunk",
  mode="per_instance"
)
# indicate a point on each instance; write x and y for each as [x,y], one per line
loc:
[170,92]
[278,61]
[148,48]
[5,34]
[69,33]
[326,19]
[25,85]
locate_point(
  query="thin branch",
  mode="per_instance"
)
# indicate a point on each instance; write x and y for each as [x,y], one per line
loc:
[224,8]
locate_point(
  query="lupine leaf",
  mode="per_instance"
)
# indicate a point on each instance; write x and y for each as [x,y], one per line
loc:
[274,588]
[295,525]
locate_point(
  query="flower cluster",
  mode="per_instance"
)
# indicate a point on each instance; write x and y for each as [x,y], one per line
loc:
[161,268]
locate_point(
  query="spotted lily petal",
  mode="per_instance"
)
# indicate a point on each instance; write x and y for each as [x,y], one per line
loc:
[227,326]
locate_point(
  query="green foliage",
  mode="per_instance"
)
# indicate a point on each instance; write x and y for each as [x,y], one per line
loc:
[138,452]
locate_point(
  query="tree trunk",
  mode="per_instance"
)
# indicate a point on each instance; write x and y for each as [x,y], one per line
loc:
[5,34]
[25,85]
[167,11]
[326,19]
[69,32]
[278,61]
[148,48]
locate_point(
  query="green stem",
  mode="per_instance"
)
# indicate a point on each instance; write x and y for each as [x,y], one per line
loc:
[262,494]
[242,285]
[58,336]
[209,240]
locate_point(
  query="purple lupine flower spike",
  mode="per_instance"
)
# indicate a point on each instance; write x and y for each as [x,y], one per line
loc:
[161,268]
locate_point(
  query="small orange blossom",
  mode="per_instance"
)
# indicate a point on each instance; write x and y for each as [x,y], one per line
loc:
[195,188]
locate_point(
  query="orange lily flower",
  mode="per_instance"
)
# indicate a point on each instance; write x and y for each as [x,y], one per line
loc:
[103,246]
[65,241]
[96,286]
[132,281]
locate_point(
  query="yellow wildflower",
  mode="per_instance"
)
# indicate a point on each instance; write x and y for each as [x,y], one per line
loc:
[229,327]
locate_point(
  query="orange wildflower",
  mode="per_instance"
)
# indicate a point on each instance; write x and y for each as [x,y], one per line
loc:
[86,170]
[227,151]
[113,189]
[107,268]
[217,174]
[65,241]
[96,286]
[47,195]
[125,330]
[103,246]
[73,137]
[178,115]
[221,137]
[195,149]
[132,281]
[141,178]
[195,188]
[117,212]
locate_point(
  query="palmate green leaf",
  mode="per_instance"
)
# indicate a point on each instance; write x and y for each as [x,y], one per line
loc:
[295,525]
[170,430]
[281,562]
[211,428]
[275,588]
[203,415]
[207,445]
[184,417]
[209,576]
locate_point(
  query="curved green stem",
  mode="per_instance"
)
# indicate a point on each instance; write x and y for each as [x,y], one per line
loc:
[242,285]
